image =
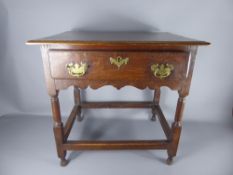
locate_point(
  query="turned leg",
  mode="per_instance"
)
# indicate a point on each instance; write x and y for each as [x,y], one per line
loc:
[155,103]
[77,101]
[176,129]
[58,129]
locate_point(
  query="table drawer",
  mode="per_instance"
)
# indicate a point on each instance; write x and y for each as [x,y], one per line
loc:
[122,66]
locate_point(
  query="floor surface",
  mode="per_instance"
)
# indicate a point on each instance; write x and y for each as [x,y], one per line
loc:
[27,147]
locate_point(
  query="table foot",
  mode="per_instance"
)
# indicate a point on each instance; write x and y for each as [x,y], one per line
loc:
[169,160]
[153,118]
[64,162]
[80,117]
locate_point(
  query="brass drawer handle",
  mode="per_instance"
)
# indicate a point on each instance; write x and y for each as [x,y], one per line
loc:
[162,71]
[119,61]
[76,69]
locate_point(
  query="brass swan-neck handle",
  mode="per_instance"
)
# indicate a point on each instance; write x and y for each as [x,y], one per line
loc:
[162,71]
[76,69]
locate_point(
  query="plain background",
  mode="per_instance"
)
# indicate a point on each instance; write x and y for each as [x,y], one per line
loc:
[23,96]
[21,72]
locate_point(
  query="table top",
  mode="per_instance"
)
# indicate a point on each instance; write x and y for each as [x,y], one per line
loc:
[76,38]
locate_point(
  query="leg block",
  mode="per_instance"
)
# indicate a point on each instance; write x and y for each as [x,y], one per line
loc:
[156,100]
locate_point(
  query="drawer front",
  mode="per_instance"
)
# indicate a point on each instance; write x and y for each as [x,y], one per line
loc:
[119,66]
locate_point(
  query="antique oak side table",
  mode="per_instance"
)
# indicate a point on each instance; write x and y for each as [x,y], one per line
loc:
[138,59]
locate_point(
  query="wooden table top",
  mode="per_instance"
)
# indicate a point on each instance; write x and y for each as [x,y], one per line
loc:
[76,38]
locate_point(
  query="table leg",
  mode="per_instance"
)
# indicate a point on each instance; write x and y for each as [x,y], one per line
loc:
[58,129]
[77,101]
[156,100]
[176,129]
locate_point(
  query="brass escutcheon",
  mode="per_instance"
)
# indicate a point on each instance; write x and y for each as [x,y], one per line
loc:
[119,61]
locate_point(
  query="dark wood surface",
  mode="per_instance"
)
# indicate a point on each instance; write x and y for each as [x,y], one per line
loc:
[74,37]
[95,49]
[136,72]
